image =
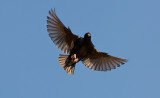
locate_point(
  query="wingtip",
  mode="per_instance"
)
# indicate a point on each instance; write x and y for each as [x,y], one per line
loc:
[53,11]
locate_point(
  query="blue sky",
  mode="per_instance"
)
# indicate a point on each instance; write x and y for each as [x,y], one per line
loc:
[29,66]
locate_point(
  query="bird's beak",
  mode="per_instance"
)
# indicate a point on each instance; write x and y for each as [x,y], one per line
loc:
[89,34]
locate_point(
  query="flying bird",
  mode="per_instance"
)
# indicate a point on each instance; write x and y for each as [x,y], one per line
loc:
[78,48]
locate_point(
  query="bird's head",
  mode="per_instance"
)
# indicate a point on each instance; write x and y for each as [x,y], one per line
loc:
[87,35]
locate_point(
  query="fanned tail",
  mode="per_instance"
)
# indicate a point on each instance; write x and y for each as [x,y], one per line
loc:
[67,64]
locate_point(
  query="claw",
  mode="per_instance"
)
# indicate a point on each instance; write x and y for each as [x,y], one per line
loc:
[75,59]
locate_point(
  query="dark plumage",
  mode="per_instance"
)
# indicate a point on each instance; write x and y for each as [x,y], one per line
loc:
[78,48]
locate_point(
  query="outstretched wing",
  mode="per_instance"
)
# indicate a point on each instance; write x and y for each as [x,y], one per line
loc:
[62,37]
[101,61]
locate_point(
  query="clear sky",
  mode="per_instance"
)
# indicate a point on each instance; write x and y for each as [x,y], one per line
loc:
[29,66]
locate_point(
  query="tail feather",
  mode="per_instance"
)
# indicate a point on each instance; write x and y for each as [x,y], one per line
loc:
[67,64]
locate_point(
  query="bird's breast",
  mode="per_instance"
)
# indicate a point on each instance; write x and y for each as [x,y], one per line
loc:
[80,48]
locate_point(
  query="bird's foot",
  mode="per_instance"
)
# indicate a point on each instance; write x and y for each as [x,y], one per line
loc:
[75,59]
[73,56]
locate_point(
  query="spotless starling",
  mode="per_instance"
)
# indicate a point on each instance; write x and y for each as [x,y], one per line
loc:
[78,48]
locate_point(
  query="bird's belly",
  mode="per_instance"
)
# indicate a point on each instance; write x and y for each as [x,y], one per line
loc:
[82,52]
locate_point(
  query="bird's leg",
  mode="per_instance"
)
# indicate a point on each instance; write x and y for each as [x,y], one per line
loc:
[75,59]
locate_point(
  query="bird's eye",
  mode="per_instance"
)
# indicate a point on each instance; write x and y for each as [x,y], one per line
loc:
[89,34]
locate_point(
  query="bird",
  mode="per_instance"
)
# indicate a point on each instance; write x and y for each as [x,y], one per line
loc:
[78,48]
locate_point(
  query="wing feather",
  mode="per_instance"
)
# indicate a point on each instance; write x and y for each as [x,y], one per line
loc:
[61,36]
[101,61]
